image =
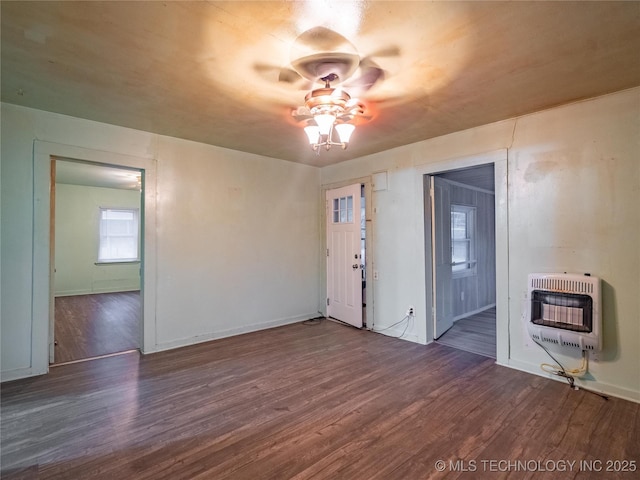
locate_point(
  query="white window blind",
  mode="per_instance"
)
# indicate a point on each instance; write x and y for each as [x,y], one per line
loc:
[118,235]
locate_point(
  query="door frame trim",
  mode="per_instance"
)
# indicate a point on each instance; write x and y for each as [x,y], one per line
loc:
[499,159]
[43,152]
[369,242]
[55,161]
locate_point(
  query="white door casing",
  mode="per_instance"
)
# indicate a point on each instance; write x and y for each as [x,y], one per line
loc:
[41,277]
[344,275]
[442,274]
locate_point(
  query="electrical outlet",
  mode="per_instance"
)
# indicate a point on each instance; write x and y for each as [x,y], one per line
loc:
[410,311]
[375,275]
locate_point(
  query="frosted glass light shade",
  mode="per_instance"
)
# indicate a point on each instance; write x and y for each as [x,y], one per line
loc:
[313,133]
[344,131]
[324,121]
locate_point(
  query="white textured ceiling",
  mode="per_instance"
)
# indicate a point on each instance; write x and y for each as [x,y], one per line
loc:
[87,174]
[213,71]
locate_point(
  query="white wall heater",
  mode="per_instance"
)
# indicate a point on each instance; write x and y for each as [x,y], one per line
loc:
[565,310]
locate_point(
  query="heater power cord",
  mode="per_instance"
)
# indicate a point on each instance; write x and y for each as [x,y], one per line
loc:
[576,372]
[569,375]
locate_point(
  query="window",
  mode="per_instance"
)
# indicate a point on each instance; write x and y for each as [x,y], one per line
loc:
[118,235]
[343,209]
[463,240]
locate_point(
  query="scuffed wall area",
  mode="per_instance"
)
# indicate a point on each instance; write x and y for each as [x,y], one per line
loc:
[571,204]
[574,178]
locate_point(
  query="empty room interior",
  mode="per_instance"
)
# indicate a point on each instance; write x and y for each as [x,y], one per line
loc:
[318,239]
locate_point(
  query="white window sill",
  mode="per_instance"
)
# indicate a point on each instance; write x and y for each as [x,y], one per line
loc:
[118,262]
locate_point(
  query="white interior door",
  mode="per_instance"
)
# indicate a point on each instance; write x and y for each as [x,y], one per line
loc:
[344,275]
[52,262]
[442,274]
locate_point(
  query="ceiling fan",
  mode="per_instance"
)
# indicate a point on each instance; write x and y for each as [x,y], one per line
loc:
[319,52]
[321,55]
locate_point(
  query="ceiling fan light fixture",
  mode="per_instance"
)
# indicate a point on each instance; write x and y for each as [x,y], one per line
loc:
[325,121]
[344,132]
[313,133]
[326,106]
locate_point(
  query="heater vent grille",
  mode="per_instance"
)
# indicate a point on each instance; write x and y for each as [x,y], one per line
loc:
[565,310]
[562,285]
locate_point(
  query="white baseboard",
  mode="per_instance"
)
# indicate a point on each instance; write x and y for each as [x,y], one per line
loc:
[601,387]
[71,293]
[18,373]
[207,337]
[479,310]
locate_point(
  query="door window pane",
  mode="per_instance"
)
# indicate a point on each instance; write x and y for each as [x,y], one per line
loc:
[343,209]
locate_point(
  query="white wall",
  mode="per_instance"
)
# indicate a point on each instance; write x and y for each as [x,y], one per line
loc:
[77,238]
[572,197]
[238,241]
[237,235]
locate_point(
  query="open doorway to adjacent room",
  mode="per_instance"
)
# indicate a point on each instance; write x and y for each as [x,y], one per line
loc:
[463,230]
[96,218]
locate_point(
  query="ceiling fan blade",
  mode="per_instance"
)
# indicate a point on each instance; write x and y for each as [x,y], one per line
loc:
[389,101]
[318,65]
[301,113]
[320,39]
[289,76]
[355,119]
[368,75]
[274,73]
[370,71]
[391,51]
[286,76]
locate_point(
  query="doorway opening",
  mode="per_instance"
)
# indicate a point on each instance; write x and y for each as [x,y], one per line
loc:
[463,230]
[346,254]
[96,260]
[363,251]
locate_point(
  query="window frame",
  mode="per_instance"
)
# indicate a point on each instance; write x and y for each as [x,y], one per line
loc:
[469,264]
[135,234]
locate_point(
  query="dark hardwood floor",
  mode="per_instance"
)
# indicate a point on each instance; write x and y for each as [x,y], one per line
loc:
[88,326]
[476,334]
[319,401]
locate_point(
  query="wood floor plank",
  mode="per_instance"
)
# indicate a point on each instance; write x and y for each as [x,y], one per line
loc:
[300,402]
[88,326]
[476,334]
